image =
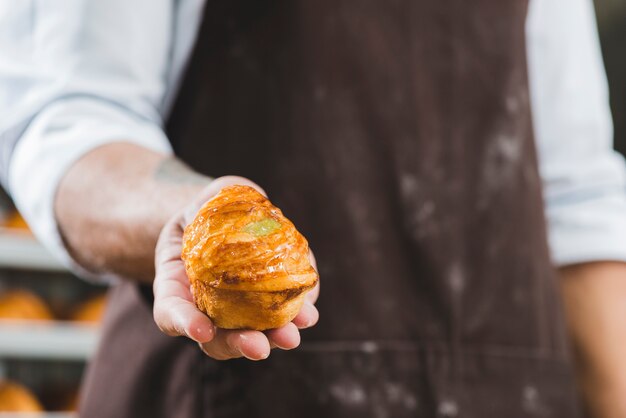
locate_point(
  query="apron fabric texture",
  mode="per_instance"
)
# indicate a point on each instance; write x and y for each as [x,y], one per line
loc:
[397,137]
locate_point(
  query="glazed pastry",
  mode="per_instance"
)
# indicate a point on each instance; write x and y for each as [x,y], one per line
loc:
[16,398]
[247,264]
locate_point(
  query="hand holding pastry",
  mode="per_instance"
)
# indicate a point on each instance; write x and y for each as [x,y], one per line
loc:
[250,270]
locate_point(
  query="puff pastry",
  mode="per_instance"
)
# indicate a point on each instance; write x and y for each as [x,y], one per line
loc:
[248,266]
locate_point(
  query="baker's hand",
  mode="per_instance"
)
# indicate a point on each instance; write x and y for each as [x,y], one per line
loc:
[176,314]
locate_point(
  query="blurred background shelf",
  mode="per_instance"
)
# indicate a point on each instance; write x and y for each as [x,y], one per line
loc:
[20,250]
[59,340]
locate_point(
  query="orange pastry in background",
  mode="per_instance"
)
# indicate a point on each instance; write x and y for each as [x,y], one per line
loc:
[247,264]
[21,304]
[16,398]
[15,221]
[90,310]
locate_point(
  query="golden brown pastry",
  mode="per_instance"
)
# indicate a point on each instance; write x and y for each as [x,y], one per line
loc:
[21,304]
[90,310]
[248,265]
[16,398]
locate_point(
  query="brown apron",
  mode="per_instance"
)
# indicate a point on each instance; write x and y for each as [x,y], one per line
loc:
[397,137]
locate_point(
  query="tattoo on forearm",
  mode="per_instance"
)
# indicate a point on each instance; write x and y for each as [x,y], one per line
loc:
[173,170]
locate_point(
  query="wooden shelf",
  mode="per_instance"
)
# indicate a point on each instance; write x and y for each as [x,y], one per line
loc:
[20,250]
[55,340]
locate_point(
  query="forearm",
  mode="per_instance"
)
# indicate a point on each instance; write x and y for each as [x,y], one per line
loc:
[595,304]
[113,202]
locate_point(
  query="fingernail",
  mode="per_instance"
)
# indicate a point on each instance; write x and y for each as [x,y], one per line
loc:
[278,346]
[237,346]
[210,333]
[244,337]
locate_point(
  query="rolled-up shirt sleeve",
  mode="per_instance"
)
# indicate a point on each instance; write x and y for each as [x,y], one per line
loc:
[584,178]
[74,75]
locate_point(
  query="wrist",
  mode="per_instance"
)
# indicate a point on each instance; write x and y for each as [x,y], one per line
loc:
[594,295]
[112,203]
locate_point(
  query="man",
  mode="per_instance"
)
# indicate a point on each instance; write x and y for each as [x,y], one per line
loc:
[398,138]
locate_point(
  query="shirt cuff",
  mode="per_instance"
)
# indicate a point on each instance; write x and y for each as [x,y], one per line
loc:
[60,135]
[588,230]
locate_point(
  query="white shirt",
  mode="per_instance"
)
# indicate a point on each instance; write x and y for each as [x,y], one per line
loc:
[76,74]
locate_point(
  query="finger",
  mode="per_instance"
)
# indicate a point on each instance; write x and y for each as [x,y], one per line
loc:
[285,338]
[313,294]
[225,181]
[174,311]
[307,317]
[169,244]
[312,260]
[178,317]
[228,344]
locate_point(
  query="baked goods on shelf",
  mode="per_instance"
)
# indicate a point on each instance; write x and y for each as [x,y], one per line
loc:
[15,221]
[23,305]
[90,310]
[247,264]
[17,398]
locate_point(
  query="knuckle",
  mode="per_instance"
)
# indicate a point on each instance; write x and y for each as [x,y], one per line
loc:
[165,326]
